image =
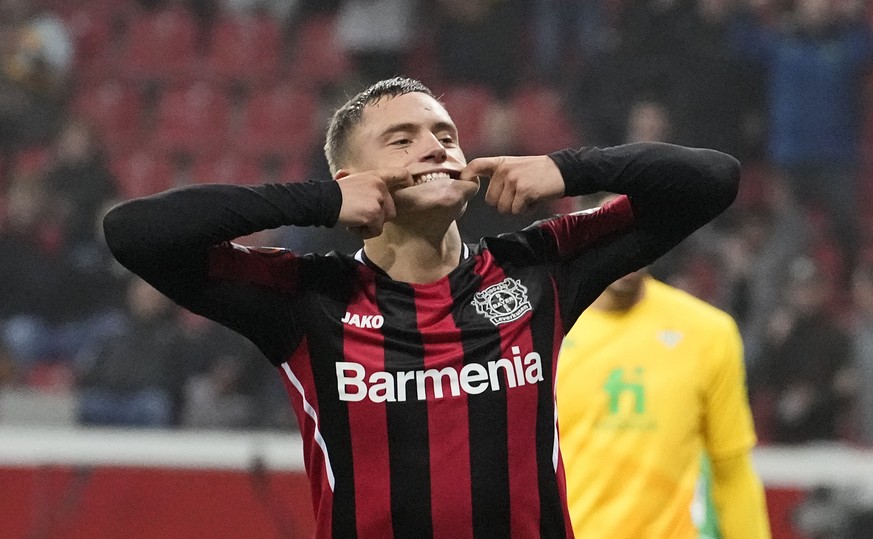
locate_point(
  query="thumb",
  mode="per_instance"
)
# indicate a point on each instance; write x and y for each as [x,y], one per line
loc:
[483,166]
[396,178]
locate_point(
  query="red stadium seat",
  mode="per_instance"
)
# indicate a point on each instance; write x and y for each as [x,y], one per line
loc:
[192,118]
[318,57]
[282,120]
[244,48]
[114,109]
[227,168]
[160,45]
[142,173]
[92,36]
[541,124]
[469,107]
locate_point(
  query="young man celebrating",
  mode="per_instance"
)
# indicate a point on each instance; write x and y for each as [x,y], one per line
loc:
[649,378]
[421,369]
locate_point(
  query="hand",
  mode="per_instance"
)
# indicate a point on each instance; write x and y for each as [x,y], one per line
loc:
[367,199]
[517,183]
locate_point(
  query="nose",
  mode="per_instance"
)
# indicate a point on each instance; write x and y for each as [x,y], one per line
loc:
[434,150]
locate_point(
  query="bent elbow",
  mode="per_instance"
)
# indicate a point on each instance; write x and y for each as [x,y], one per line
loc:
[722,173]
[729,174]
[119,231]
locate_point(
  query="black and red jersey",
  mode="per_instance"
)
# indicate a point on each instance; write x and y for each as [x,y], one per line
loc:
[427,410]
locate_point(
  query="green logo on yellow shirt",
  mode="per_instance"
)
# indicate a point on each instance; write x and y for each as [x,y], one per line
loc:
[617,385]
[626,402]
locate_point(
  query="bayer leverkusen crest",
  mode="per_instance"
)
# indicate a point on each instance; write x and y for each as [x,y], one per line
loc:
[503,302]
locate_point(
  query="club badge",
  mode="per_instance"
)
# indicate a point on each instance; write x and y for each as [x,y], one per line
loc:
[503,302]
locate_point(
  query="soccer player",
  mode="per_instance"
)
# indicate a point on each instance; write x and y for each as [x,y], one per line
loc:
[420,368]
[648,378]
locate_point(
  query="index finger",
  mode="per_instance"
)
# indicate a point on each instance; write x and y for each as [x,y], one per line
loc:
[396,178]
[482,166]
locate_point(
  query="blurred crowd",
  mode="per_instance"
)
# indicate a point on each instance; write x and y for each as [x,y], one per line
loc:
[103,100]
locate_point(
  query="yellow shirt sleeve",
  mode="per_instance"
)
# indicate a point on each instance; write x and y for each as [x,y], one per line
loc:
[729,435]
[727,422]
[739,498]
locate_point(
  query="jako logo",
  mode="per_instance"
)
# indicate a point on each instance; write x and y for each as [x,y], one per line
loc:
[473,379]
[365,321]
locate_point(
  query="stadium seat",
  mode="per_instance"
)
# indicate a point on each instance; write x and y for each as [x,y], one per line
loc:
[227,168]
[113,107]
[317,57]
[160,46]
[142,173]
[282,120]
[541,124]
[192,118]
[92,36]
[469,107]
[244,48]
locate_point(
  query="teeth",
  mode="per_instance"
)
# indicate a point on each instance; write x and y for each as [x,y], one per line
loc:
[431,176]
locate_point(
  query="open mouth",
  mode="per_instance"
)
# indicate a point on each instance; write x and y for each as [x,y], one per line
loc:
[431,176]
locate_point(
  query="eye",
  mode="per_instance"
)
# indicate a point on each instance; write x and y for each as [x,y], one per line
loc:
[447,140]
[400,142]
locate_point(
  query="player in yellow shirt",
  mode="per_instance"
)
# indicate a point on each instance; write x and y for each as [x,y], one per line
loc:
[649,380]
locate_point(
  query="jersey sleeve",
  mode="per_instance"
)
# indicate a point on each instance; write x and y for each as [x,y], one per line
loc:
[727,422]
[180,242]
[666,193]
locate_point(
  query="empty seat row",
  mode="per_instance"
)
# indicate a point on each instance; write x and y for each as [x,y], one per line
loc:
[169,44]
[200,117]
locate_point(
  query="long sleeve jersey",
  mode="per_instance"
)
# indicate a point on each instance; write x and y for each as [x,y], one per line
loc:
[427,410]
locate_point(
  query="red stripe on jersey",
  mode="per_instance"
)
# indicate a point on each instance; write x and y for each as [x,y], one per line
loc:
[368,423]
[558,339]
[276,269]
[577,231]
[521,409]
[298,381]
[448,424]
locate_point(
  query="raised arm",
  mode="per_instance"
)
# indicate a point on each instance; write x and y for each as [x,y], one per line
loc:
[669,191]
[179,241]
[672,190]
[166,238]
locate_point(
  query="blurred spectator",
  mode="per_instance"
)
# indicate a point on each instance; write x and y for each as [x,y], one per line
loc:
[376,34]
[648,121]
[567,34]
[31,267]
[674,52]
[763,240]
[36,55]
[79,180]
[815,62]
[214,399]
[862,349]
[126,379]
[58,292]
[477,42]
[804,363]
[221,379]
[281,10]
[8,368]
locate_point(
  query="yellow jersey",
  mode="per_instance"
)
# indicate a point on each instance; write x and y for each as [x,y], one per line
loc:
[641,394]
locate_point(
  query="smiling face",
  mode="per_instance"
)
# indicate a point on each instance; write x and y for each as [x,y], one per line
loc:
[415,132]
[412,131]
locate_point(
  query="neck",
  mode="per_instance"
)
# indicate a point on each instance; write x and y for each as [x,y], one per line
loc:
[616,301]
[412,257]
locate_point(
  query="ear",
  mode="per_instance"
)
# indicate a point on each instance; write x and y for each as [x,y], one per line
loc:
[341,173]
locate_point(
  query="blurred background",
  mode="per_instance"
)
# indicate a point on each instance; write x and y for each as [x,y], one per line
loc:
[120,412]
